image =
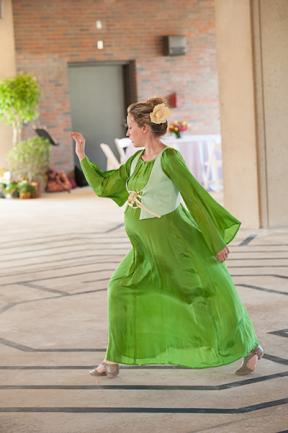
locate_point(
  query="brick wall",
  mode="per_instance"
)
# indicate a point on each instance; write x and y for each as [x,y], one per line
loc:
[49,34]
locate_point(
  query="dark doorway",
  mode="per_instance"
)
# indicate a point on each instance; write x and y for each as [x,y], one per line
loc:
[99,95]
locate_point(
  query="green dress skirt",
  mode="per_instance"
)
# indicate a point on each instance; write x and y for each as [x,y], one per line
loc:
[170,301]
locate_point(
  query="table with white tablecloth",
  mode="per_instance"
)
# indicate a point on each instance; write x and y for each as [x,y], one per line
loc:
[202,154]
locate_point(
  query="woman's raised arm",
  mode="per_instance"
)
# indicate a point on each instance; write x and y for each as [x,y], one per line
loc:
[111,183]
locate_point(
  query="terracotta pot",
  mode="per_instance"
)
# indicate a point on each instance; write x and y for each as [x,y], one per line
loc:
[25,195]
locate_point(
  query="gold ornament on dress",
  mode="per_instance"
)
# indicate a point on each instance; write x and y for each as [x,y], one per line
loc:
[160,113]
[134,201]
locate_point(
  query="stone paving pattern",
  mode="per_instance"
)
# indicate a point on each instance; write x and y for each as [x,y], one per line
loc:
[57,254]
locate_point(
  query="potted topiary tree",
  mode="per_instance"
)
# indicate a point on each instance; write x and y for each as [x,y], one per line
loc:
[19,98]
[29,159]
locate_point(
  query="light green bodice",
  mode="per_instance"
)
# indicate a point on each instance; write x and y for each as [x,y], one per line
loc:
[160,194]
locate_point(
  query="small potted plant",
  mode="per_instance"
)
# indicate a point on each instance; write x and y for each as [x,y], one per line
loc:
[2,189]
[2,183]
[26,190]
[11,190]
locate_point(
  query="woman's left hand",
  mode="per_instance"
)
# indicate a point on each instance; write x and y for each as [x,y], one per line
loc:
[223,254]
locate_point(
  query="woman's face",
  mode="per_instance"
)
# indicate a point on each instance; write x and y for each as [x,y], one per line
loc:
[137,134]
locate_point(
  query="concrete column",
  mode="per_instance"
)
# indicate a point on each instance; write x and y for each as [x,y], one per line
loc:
[270,37]
[252,47]
[237,109]
[7,69]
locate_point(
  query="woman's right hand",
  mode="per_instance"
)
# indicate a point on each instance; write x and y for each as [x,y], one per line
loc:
[80,144]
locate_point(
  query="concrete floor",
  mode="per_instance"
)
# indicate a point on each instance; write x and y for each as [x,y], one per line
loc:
[57,254]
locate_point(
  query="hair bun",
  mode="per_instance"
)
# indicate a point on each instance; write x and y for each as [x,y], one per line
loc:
[152,112]
[156,101]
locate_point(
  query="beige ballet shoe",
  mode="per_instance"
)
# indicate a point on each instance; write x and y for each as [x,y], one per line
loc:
[250,361]
[105,369]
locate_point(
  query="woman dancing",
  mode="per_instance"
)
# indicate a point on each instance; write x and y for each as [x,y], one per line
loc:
[171,300]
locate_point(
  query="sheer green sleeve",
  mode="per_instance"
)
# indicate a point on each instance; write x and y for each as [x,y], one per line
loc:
[111,183]
[216,224]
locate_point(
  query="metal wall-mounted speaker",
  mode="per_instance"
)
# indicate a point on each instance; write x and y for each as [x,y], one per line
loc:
[175,45]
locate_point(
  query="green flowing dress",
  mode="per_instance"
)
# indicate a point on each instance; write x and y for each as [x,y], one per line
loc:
[170,301]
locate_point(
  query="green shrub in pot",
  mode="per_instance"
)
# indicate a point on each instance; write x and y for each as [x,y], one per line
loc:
[29,159]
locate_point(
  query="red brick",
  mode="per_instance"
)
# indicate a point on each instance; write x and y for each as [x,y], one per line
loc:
[50,34]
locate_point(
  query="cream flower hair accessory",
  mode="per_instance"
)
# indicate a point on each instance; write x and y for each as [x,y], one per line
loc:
[160,113]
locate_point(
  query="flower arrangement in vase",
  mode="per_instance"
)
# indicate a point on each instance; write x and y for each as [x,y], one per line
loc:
[177,127]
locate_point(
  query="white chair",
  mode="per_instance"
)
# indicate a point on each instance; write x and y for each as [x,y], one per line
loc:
[121,145]
[212,180]
[112,161]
